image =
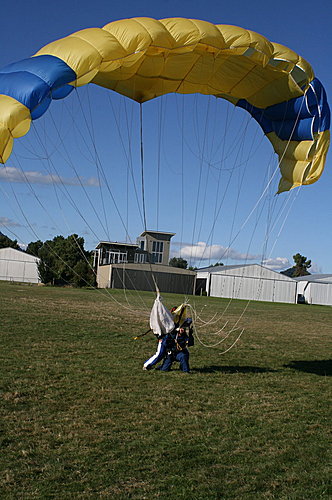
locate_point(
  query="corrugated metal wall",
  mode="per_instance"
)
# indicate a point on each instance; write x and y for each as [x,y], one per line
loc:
[319,293]
[134,279]
[249,288]
[15,270]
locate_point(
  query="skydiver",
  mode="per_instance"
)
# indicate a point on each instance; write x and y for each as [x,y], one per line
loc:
[177,343]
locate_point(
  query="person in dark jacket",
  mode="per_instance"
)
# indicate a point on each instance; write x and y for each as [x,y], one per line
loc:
[177,343]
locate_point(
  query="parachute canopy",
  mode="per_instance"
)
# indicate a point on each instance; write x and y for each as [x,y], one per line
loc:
[143,58]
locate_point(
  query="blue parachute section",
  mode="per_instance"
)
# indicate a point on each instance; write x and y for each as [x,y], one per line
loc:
[34,82]
[297,119]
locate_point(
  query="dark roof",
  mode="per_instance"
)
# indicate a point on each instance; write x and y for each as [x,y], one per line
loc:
[158,233]
[116,243]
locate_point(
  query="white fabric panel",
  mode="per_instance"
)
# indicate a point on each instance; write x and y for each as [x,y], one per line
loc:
[161,320]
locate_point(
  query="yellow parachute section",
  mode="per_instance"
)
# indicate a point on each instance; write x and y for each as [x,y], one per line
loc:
[143,58]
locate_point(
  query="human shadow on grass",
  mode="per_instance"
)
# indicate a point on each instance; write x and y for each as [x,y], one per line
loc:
[319,367]
[232,369]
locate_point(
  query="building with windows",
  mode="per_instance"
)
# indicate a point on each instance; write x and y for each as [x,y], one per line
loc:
[136,266]
[157,246]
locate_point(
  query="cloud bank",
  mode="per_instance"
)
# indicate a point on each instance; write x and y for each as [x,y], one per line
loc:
[277,264]
[12,174]
[5,222]
[201,251]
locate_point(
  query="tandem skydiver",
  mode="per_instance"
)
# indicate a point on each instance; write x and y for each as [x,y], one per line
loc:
[174,333]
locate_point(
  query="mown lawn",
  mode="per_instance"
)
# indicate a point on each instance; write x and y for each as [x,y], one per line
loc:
[81,419]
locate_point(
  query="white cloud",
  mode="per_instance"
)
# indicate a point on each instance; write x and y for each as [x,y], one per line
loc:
[5,222]
[315,269]
[203,251]
[277,264]
[12,174]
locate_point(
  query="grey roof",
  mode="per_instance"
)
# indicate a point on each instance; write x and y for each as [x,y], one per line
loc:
[315,277]
[225,268]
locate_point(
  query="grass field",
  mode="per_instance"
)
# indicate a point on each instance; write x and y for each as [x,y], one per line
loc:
[81,419]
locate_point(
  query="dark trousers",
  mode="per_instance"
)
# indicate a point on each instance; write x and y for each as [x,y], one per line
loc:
[181,356]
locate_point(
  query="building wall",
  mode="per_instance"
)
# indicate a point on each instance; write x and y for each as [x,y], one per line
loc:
[249,288]
[149,241]
[103,276]
[320,293]
[139,277]
[315,292]
[135,279]
[18,266]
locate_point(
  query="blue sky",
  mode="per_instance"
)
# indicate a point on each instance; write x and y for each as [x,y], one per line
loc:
[96,126]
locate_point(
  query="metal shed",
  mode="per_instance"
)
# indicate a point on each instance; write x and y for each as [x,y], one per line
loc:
[16,265]
[315,289]
[246,281]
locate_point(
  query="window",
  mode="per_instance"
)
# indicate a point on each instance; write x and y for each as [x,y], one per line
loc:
[117,257]
[140,258]
[157,251]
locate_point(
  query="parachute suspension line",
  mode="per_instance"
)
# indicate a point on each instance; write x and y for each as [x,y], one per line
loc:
[128,154]
[182,173]
[160,115]
[218,183]
[47,212]
[34,232]
[215,344]
[240,181]
[143,189]
[54,184]
[208,165]
[199,182]
[92,136]
[217,212]
[142,164]
[284,219]
[79,212]
[99,167]
[268,227]
[69,162]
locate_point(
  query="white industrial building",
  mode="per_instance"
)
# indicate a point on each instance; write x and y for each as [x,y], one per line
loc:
[246,281]
[315,289]
[16,265]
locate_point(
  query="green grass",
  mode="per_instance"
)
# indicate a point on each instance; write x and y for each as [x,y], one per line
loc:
[81,419]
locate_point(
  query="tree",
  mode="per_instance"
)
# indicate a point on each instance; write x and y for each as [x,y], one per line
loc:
[7,242]
[301,265]
[300,269]
[34,247]
[64,261]
[178,262]
[218,264]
